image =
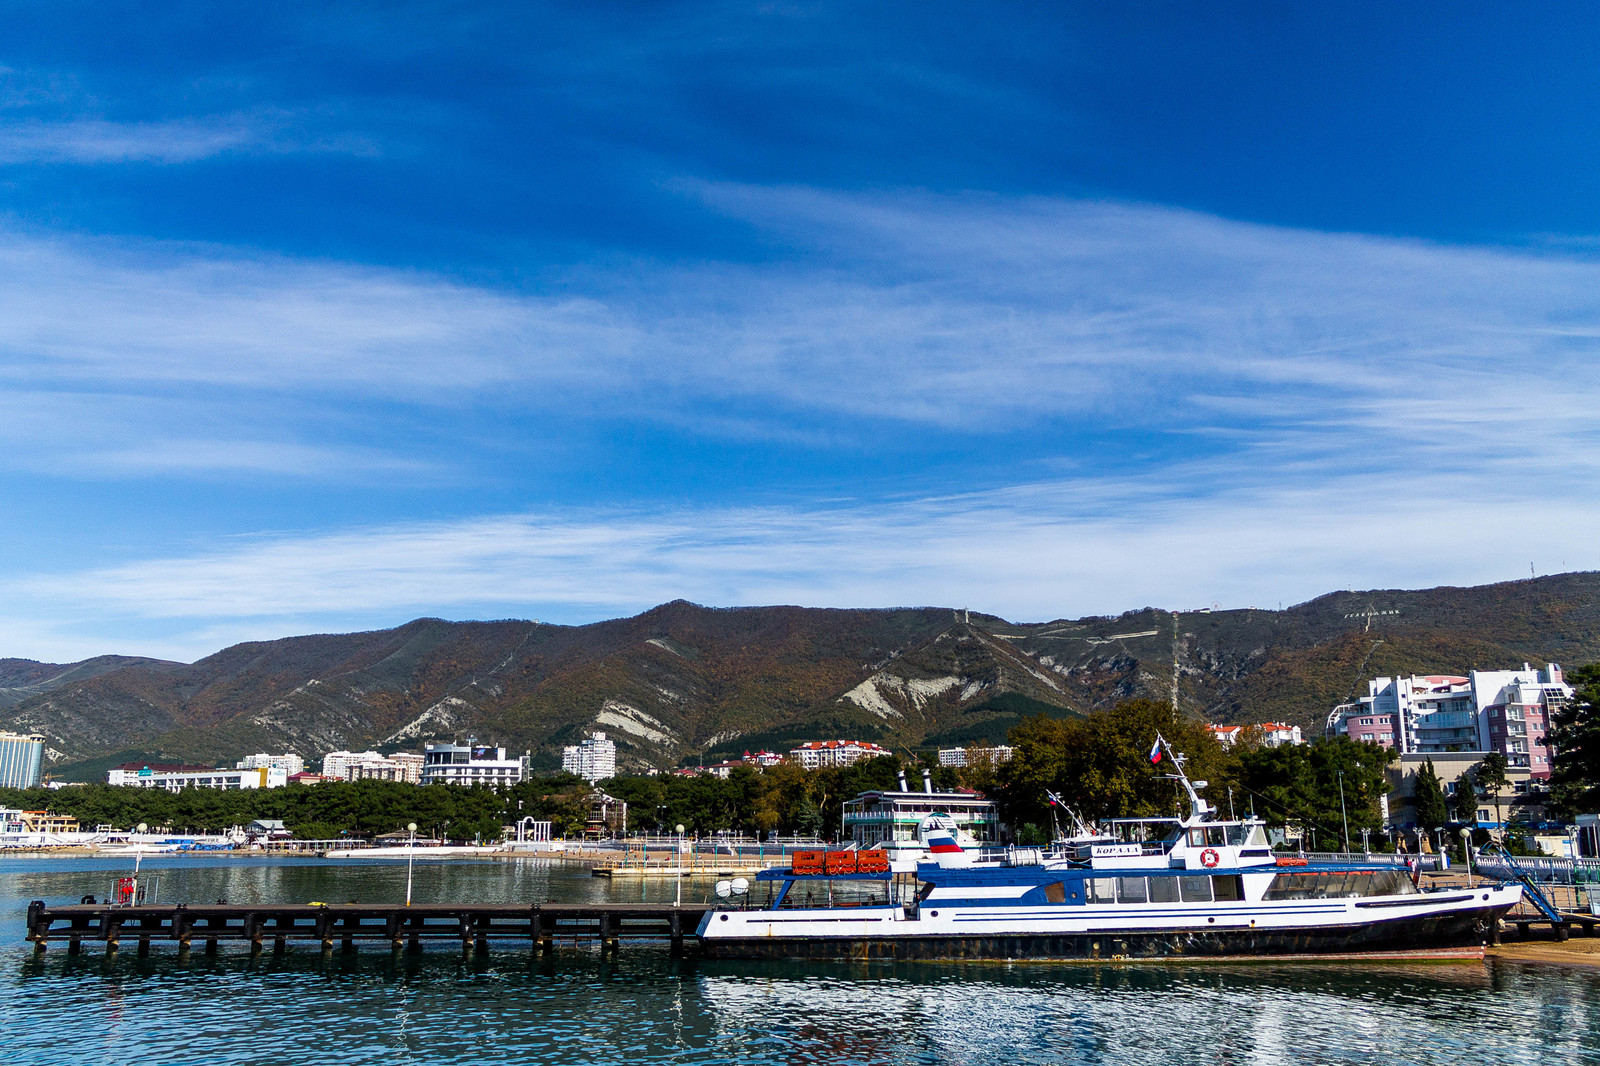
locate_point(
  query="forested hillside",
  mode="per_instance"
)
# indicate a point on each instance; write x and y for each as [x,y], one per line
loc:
[682,682]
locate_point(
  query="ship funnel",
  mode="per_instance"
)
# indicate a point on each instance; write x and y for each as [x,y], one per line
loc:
[927,779]
[903,786]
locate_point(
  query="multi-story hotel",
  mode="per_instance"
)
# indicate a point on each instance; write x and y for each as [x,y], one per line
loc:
[1507,711]
[593,760]
[471,764]
[21,760]
[821,753]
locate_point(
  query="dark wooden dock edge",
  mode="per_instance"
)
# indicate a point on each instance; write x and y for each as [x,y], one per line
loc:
[395,926]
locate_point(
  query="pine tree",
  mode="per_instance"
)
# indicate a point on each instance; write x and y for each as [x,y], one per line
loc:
[1466,798]
[1576,738]
[1431,812]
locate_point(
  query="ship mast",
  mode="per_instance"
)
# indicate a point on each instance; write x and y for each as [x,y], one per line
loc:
[1198,808]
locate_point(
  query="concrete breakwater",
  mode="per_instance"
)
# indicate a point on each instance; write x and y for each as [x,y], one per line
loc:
[392,925]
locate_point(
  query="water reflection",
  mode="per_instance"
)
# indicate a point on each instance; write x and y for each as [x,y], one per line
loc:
[643,1007]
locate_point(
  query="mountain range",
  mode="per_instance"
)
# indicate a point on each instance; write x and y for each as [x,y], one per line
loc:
[681,682]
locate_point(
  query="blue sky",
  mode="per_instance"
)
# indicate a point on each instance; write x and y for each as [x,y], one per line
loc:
[321,317]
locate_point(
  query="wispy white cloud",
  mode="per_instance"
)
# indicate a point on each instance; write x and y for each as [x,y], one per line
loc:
[170,141]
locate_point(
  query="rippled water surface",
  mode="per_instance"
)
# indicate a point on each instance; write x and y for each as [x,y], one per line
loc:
[643,1007]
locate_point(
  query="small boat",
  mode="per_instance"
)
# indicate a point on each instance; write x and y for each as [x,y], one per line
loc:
[1197,887]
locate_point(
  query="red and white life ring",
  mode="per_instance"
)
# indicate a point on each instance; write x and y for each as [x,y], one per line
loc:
[1209,858]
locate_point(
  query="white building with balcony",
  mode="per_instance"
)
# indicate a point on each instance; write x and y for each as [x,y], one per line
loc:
[289,763]
[1489,710]
[593,760]
[176,780]
[372,766]
[824,753]
[471,764]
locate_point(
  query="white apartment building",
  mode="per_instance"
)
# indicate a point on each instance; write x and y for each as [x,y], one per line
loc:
[371,766]
[962,757]
[1489,710]
[471,764]
[595,759]
[176,780]
[289,762]
[823,753]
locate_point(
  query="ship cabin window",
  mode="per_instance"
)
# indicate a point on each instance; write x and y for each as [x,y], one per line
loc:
[1208,836]
[1131,890]
[1055,892]
[1340,885]
[1187,888]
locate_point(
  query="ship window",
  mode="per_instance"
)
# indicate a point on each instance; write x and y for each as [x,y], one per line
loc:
[1196,888]
[1131,890]
[1227,887]
[1055,892]
[1163,890]
[1216,836]
[1101,889]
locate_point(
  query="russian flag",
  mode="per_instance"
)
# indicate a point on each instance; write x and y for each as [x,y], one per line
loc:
[943,844]
[1155,750]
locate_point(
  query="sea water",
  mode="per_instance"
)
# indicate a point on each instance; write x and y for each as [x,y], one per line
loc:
[643,1007]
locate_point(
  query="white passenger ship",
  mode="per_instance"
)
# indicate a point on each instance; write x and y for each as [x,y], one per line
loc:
[1200,888]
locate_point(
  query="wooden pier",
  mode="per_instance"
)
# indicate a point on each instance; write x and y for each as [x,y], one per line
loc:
[394,926]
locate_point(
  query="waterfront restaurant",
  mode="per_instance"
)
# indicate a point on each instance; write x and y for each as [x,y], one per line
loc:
[891,819]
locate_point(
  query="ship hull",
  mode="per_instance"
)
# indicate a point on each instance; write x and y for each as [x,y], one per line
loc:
[1412,936]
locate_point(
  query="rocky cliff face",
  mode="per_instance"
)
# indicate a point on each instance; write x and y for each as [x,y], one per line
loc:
[682,681]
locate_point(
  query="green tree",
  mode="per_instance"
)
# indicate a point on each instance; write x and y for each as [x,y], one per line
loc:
[1431,812]
[1100,765]
[1491,778]
[808,819]
[1466,798]
[1575,735]
[1299,784]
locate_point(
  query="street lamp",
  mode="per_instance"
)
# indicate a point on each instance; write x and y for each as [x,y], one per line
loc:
[411,857]
[1466,850]
[1365,848]
[678,880]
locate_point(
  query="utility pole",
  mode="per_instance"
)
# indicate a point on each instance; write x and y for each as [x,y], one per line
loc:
[1342,816]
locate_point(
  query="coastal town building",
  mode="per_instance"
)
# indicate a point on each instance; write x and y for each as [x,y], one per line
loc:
[16,822]
[967,756]
[289,762]
[891,818]
[595,759]
[820,754]
[21,760]
[1522,800]
[1507,711]
[471,764]
[178,778]
[1273,734]
[305,777]
[372,766]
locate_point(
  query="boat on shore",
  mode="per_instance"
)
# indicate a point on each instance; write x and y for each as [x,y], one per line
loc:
[1196,887]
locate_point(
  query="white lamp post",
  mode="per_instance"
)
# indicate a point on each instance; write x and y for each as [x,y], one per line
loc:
[678,880]
[1466,850]
[411,855]
[137,855]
